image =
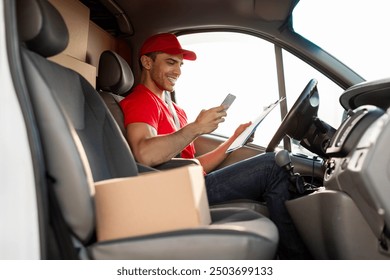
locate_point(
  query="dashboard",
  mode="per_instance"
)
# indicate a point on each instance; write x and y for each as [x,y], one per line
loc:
[359,152]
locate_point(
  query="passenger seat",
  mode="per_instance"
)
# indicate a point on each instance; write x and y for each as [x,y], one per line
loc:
[83,144]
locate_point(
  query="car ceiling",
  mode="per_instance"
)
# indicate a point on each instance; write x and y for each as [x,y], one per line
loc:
[142,18]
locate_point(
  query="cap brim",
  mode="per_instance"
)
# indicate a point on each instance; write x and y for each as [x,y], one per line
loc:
[188,55]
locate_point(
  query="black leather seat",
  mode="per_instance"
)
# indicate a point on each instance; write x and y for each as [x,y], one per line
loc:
[83,143]
[114,80]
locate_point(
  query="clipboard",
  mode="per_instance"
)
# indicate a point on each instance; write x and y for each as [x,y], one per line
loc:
[244,136]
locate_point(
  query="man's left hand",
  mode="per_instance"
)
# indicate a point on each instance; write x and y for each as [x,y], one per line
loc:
[240,129]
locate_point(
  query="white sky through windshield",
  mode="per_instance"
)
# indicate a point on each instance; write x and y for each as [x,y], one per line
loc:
[354,31]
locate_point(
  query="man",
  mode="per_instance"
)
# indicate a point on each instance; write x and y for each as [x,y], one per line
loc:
[157,131]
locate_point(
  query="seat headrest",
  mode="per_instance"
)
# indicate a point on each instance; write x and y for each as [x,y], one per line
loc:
[41,27]
[114,74]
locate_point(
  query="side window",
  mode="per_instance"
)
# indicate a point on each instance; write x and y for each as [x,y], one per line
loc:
[298,74]
[245,66]
[234,63]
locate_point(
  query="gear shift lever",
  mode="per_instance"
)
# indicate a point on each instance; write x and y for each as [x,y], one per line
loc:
[282,159]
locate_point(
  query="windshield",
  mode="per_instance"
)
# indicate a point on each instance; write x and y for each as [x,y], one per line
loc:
[354,31]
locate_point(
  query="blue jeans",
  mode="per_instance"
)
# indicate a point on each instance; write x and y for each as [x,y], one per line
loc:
[259,178]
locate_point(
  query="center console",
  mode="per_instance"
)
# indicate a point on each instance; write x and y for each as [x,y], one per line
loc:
[346,218]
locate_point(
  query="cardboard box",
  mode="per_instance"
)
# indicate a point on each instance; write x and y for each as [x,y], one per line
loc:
[98,41]
[76,17]
[151,203]
[85,70]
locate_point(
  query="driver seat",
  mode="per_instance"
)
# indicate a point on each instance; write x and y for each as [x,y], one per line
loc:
[83,144]
[115,79]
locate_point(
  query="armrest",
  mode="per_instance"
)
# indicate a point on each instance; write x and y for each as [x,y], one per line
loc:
[176,162]
[143,168]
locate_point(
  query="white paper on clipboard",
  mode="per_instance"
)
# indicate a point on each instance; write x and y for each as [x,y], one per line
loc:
[244,136]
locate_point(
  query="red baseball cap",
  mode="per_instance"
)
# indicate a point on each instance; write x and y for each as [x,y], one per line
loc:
[166,43]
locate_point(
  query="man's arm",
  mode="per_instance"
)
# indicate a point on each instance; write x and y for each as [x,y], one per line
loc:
[211,160]
[152,149]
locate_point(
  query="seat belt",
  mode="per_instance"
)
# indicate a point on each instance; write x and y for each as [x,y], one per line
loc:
[168,100]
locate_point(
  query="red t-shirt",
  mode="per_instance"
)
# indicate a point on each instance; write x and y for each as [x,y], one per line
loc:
[142,105]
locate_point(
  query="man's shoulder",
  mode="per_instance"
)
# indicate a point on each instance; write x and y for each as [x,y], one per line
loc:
[137,94]
[140,100]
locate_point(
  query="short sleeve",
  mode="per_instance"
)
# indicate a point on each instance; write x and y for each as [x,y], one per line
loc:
[140,108]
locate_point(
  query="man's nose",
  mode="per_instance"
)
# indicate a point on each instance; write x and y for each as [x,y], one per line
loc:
[177,71]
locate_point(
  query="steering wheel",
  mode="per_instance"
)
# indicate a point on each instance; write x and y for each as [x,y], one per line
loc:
[299,119]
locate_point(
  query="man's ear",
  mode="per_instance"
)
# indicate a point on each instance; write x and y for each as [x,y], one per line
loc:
[146,62]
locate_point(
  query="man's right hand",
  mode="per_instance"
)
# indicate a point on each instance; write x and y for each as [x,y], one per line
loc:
[208,120]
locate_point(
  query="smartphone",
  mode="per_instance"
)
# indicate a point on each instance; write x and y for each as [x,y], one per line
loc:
[228,101]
